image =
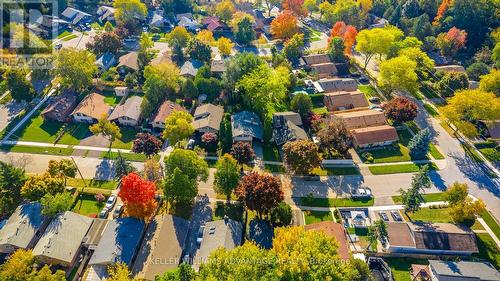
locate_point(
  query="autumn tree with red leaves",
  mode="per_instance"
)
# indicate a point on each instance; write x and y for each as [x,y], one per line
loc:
[400,110]
[285,25]
[147,144]
[138,196]
[347,32]
[443,8]
[296,7]
[260,192]
[452,41]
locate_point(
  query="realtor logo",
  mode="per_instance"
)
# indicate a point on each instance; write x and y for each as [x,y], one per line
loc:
[27,31]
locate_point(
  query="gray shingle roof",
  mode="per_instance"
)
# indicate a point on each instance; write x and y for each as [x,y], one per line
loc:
[190,68]
[286,128]
[63,237]
[247,123]
[22,226]
[464,270]
[131,109]
[119,242]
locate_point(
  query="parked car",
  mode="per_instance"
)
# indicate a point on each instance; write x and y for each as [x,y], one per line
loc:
[383,216]
[396,216]
[199,237]
[374,100]
[374,106]
[355,75]
[58,46]
[190,144]
[364,80]
[104,213]
[111,202]
[118,211]
[156,37]
[362,193]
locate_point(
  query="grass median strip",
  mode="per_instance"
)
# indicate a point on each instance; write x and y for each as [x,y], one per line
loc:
[430,197]
[37,150]
[334,202]
[491,222]
[401,168]
[127,156]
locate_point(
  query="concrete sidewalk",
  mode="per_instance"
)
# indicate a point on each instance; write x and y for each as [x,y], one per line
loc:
[75,147]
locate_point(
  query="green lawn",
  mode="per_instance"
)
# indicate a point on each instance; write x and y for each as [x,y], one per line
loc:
[279,169]
[127,156]
[37,150]
[472,153]
[87,205]
[70,37]
[491,154]
[435,153]
[488,249]
[317,216]
[397,169]
[110,98]
[335,171]
[64,34]
[96,26]
[401,267]
[440,215]
[233,211]
[335,202]
[271,152]
[398,153]
[91,183]
[431,110]
[125,142]
[430,197]
[320,110]
[491,222]
[368,90]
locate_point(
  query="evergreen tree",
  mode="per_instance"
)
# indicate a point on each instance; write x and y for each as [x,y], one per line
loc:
[412,198]
[419,144]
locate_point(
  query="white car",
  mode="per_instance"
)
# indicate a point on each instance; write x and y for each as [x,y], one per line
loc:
[111,202]
[362,193]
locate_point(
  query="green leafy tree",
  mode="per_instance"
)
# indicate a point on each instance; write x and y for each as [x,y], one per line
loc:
[57,203]
[336,49]
[456,193]
[179,36]
[22,265]
[227,175]
[184,272]
[199,51]
[12,180]
[452,82]
[188,89]
[282,215]
[244,32]
[183,169]
[129,14]
[301,156]
[20,88]
[302,104]
[398,74]
[75,67]
[377,41]
[463,207]
[239,65]
[63,168]
[293,48]
[161,81]
[107,129]
[419,144]
[178,127]
[476,70]
[491,82]
[37,186]
[225,10]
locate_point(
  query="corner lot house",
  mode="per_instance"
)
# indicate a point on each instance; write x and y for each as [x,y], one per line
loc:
[287,126]
[161,251]
[207,118]
[23,228]
[90,109]
[430,238]
[167,107]
[128,63]
[61,107]
[61,242]
[128,113]
[247,127]
[226,233]
[335,230]
[106,13]
[119,243]
[336,101]
[462,271]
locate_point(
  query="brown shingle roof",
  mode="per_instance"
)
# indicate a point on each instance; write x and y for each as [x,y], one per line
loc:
[324,68]
[345,100]
[316,59]
[444,236]
[165,110]
[400,234]
[371,135]
[208,115]
[129,60]
[362,118]
[93,106]
[335,230]
[61,107]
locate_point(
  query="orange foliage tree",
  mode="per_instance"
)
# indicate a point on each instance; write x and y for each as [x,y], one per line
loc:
[296,7]
[445,5]
[347,33]
[138,196]
[285,25]
[450,42]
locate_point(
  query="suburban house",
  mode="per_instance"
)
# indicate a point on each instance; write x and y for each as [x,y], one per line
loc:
[462,271]
[218,66]
[261,232]
[167,107]
[287,126]
[374,136]
[315,59]
[23,228]
[189,24]
[247,127]
[76,17]
[262,23]
[207,118]
[105,61]
[106,13]
[158,20]
[128,113]
[362,118]
[190,68]
[213,24]
[121,91]
[61,242]
[90,109]
[61,107]
[342,100]
[119,243]
[335,85]
[178,17]
[430,238]
[450,68]
[46,26]
[128,63]
[324,70]
[226,233]
[335,230]
[161,251]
